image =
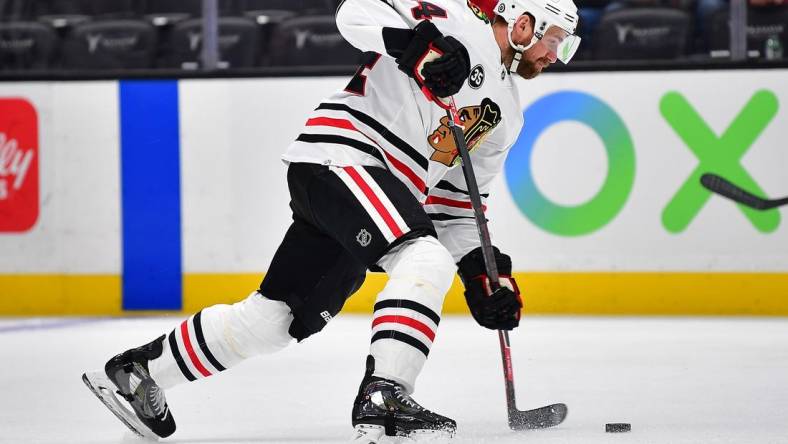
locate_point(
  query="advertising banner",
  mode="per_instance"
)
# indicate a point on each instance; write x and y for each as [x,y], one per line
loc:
[168,195]
[19,198]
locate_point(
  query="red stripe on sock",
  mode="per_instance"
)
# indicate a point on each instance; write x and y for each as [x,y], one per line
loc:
[190,350]
[420,326]
[384,213]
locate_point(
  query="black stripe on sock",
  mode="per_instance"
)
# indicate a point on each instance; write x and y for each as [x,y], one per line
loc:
[410,305]
[382,130]
[341,140]
[203,345]
[179,359]
[402,337]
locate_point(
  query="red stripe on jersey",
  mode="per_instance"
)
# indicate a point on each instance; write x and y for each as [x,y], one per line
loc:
[437,200]
[396,163]
[384,213]
[327,121]
[396,319]
[190,350]
[415,180]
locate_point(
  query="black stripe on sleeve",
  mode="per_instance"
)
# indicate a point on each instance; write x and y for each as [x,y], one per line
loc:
[179,359]
[341,140]
[382,130]
[402,337]
[410,305]
[448,186]
[203,345]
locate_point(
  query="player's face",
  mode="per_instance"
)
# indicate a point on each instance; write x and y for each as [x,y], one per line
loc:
[541,55]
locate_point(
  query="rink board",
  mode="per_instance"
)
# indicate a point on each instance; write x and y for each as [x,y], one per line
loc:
[753,294]
[139,196]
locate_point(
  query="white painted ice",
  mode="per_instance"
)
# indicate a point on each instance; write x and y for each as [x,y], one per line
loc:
[677,380]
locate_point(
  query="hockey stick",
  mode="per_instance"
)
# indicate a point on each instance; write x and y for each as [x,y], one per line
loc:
[724,187]
[539,418]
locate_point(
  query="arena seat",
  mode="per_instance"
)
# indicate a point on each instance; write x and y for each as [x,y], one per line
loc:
[311,40]
[16,10]
[302,7]
[190,7]
[62,7]
[110,44]
[61,14]
[26,45]
[762,23]
[642,34]
[238,42]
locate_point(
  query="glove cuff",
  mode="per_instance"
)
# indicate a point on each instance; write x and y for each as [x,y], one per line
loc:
[472,264]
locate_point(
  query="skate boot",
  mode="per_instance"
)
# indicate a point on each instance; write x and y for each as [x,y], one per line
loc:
[127,375]
[383,412]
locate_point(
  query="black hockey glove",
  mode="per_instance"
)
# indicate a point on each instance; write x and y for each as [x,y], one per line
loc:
[439,63]
[498,310]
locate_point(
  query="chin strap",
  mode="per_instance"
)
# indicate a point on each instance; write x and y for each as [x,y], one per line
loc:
[515,62]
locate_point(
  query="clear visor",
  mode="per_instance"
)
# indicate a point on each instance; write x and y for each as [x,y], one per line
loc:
[562,44]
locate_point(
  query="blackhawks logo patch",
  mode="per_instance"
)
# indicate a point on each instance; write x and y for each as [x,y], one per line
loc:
[477,123]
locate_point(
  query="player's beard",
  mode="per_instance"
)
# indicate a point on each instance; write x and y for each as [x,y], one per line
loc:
[528,69]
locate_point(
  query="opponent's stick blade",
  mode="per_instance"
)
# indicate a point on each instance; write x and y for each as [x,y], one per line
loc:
[541,418]
[723,187]
[104,389]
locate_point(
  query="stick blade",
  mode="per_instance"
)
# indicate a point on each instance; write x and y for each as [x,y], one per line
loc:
[541,418]
[723,187]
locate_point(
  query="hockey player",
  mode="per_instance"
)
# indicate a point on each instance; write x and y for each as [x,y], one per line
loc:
[374,184]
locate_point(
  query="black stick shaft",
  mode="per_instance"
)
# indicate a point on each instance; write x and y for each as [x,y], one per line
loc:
[487,252]
[476,203]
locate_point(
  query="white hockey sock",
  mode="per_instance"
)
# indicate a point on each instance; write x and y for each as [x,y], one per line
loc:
[220,337]
[407,311]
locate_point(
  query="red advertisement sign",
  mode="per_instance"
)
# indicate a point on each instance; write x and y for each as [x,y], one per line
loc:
[18,165]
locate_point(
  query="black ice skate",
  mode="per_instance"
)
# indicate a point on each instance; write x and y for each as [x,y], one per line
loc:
[127,375]
[383,412]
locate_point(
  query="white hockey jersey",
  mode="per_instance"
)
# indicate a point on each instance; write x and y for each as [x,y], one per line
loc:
[382,118]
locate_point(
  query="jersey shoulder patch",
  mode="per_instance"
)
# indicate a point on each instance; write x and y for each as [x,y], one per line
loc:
[476,77]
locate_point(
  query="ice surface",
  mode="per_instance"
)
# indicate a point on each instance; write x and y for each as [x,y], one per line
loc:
[677,380]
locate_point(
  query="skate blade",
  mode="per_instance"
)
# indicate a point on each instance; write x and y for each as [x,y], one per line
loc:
[375,434]
[104,389]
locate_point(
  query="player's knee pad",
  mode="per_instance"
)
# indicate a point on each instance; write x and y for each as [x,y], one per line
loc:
[423,263]
[253,326]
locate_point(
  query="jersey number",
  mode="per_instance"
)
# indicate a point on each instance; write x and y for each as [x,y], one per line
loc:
[358,83]
[427,10]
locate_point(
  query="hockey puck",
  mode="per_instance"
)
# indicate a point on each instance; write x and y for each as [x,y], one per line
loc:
[618,427]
